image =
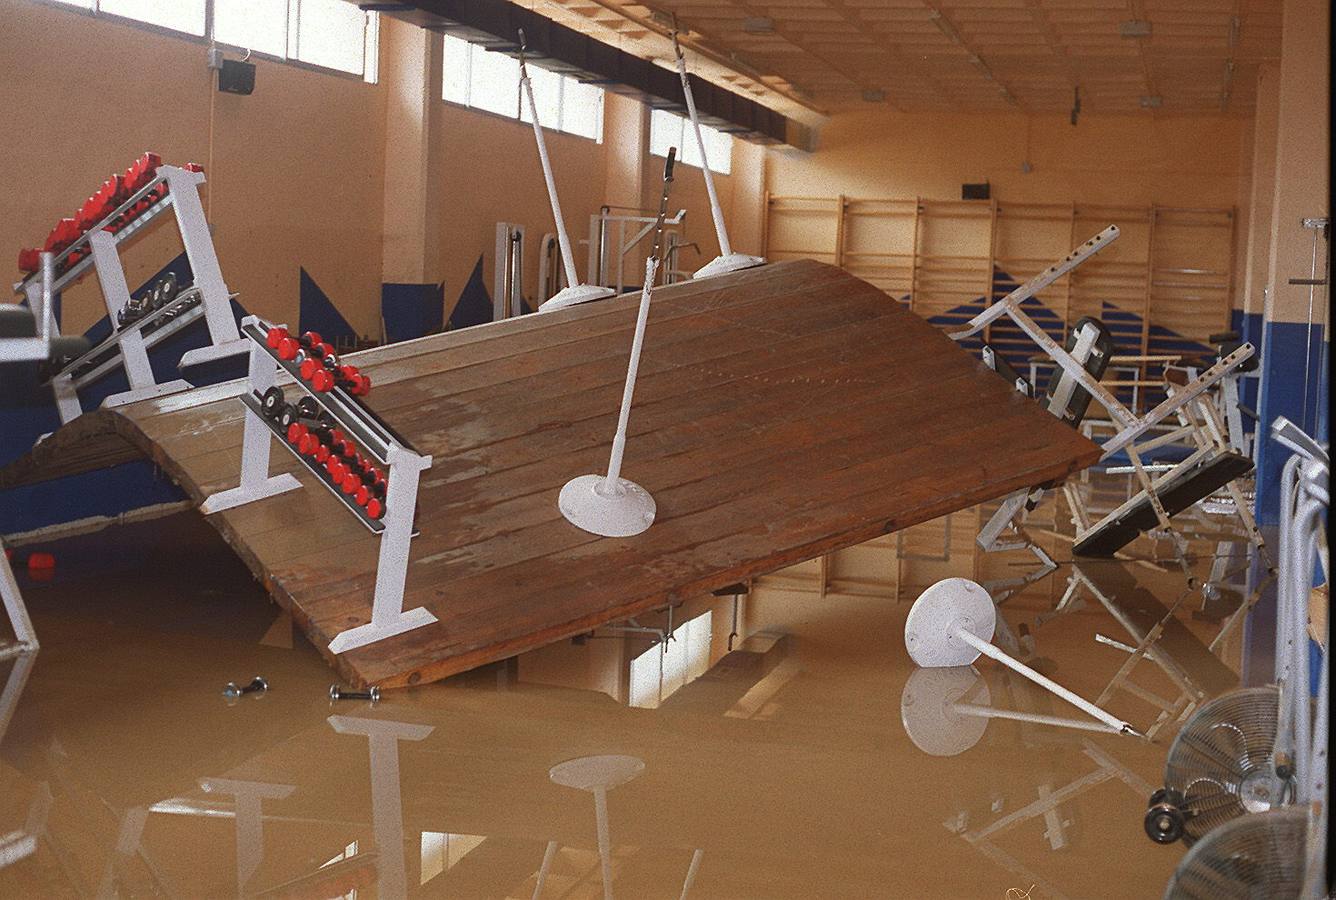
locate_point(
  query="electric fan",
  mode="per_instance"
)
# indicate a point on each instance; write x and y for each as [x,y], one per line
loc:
[1253,858]
[1220,767]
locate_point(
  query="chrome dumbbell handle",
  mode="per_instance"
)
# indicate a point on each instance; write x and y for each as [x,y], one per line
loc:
[336,693]
[256,685]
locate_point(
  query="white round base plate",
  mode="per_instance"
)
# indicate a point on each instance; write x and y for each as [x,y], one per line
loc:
[585,504]
[574,295]
[596,773]
[926,709]
[930,629]
[730,263]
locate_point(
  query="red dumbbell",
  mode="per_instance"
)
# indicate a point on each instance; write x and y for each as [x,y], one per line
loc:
[65,232]
[290,346]
[375,507]
[297,431]
[143,170]
[350,483]
[193,167]
[30,260]
[274,336]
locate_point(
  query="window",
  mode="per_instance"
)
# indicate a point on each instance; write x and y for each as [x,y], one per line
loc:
[491,81]
[659,671]
[670,130]
[179,15]
[332,34]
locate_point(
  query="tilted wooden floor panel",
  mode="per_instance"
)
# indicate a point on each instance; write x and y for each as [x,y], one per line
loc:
[781,413]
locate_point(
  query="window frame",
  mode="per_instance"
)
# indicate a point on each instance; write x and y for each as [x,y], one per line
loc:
[370,56]
[687,134]
[521,111]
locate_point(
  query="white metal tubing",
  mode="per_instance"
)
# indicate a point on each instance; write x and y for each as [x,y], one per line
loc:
[610,483]
[692,869]
[24,635]
[1039,282]
[183,187]
[1070,366]
[563,240]
[115,295]
[47,312]
[1177,400]
[549,854]
[1048,684]
[720,229]
[989,712]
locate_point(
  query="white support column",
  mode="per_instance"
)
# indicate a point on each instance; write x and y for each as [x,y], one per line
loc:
[256,483]
[388,616]
[225,340]
[134,354]
[387,811]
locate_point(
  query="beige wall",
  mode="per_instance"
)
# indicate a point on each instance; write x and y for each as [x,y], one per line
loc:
[298,172]
[1112,159]
[295,172]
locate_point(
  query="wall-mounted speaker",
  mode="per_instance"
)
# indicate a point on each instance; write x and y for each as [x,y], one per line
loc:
[975,191]
[236,77]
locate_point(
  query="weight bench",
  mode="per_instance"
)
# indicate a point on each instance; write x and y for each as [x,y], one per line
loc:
[1090,343]
[1072,362]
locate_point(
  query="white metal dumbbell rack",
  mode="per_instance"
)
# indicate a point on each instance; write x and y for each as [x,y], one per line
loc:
[130,345]
[404,467]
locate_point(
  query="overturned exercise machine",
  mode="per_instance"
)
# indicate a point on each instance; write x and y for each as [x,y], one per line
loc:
[1073,385]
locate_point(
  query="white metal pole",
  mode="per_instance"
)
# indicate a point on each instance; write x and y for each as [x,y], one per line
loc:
[610,483]
[549,854]
[720,229]
[563,240]
[604,839]
[1085,706]
[988,712]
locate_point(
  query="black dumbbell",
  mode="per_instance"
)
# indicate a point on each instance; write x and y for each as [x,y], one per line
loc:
[1165,820]
[256,686]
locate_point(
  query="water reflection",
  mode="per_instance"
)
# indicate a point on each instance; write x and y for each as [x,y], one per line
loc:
[775,768]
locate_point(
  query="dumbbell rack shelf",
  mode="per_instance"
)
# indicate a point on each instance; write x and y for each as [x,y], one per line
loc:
[348,413]
[252,402]
[171,323]
[365,428]
[99,248]
[138,223]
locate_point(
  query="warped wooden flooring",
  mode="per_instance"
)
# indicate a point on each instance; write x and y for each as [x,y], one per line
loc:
[781,413]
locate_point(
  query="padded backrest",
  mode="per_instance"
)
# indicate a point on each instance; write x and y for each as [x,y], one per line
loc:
[1100,353]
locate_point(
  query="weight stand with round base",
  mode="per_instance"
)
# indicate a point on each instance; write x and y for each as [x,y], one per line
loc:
[733,262]
[952,623]
[575,295]
[950,604]
[929,714]
[585,504]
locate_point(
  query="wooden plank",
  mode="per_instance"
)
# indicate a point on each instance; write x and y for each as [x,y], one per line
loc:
[783,413]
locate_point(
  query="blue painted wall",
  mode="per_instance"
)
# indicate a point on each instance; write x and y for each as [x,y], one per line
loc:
[28,411]
[1295,384]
